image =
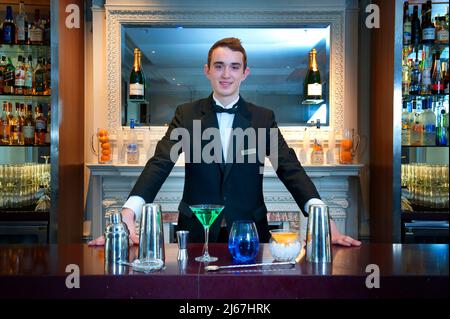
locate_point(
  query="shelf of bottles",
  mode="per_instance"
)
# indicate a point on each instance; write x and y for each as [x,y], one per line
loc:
[25,110]
[425,89]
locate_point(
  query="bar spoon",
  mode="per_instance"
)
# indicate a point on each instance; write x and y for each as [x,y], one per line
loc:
[215,267]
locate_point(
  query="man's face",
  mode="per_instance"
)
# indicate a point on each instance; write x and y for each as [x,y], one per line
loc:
[226,72]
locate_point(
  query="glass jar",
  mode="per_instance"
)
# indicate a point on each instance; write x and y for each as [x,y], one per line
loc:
[284,245]
[104,150]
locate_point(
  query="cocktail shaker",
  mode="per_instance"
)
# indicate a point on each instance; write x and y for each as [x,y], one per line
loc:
[116,239]
[318,235]
[151,234]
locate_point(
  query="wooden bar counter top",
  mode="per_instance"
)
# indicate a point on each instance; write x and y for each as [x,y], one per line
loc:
[405,272]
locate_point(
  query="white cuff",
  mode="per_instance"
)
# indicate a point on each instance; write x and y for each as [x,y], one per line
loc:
[135,203]
[311,202]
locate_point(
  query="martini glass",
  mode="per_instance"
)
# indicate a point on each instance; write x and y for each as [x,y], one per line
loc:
[206,214]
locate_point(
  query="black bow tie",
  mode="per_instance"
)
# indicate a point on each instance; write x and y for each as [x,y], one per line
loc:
[219,109]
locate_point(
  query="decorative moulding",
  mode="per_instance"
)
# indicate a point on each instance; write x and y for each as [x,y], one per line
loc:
[164,16]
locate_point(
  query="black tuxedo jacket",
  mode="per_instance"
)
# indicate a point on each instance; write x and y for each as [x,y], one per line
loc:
[238,185]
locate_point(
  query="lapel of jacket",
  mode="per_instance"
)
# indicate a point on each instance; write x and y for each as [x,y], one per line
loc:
[241,120]
[209,119]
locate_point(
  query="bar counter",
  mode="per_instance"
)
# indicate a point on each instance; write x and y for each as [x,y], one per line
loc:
[406,271]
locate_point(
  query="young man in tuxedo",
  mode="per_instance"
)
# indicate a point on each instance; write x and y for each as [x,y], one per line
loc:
[234,179]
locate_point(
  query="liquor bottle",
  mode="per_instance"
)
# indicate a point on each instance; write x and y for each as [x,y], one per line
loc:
[5,125]
[407,119]
[416,31]
[9,78]
[29,126]
[41,126]
[313,84]
[1,126]
[428,29]
[21,123]
[9,28]
[39,80]
[36,33]
[445,75]
[416,136]
[21,24]
[137,78]
[442,128]
[47,32]
[19,82]
[317,154]
[428,119]
[28,88]
[47,78]
[406,24]
[416,78]
[47,134]
[441,30]
[425,85]
[132,146]
[437,82]
[14,125]
[406,73]
[2,73]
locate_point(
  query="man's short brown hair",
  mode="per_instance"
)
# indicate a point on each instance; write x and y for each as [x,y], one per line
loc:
[234,44]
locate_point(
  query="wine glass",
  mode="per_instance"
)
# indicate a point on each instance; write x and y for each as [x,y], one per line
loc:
[206,214]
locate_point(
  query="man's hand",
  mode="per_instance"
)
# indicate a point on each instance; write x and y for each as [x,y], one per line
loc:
[338,238]
[128,219]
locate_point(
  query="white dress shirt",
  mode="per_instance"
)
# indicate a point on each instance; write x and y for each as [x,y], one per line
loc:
[225,122]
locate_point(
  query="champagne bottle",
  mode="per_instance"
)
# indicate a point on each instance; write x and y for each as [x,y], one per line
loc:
[137,78]
[313,84]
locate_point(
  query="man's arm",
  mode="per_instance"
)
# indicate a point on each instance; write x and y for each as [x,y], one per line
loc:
[149,182]
[160,165]
[288,168]
[298,183]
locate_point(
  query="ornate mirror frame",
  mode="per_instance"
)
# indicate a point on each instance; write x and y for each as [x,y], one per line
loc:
[213,17]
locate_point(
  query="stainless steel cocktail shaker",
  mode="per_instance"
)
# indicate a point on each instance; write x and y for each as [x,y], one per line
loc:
[318,235]
[151,234]
[116,239]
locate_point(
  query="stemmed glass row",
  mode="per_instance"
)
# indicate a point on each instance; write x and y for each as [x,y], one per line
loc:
[426,185]
[20,183]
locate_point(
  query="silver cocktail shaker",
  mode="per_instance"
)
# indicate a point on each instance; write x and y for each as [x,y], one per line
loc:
[318,235]
[151,234]
[116,239]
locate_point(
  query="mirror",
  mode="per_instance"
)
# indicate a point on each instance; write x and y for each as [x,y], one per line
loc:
[173,59]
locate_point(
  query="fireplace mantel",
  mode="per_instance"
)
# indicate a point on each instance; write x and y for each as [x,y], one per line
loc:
[338,186]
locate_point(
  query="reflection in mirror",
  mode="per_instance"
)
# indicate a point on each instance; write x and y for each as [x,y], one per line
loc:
[173,59]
